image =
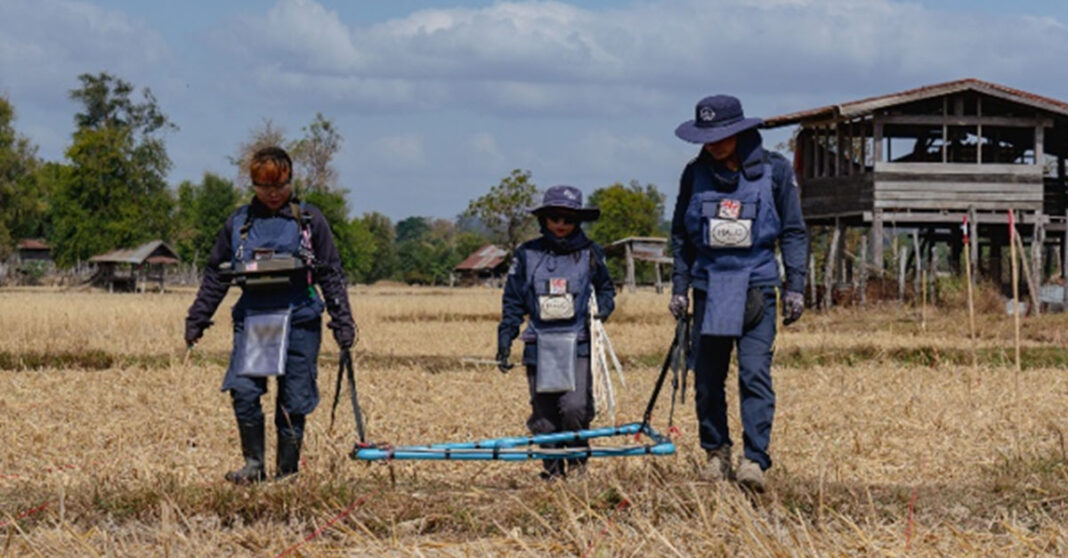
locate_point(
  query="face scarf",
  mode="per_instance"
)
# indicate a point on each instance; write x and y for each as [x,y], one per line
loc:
[573,242]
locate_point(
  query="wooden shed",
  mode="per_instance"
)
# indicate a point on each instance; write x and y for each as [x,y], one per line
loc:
[926,158]
[640,248]
[487,265]
[132,269]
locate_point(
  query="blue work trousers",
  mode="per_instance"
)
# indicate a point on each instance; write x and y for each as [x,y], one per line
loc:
[298,391]
[711,362]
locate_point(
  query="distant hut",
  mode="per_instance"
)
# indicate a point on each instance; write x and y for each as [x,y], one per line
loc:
[640,248]
[33,250]
[132,269]
[926,158]
[486,266]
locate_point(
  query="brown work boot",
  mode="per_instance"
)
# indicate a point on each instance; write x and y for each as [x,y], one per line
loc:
[718,466]
[750,476]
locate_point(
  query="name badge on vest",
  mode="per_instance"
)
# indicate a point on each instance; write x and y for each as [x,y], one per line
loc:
[730,233]
[729,209]
[558,304]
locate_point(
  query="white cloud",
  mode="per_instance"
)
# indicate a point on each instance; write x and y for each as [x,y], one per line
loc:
[555,58]
[46,44]
[484,144]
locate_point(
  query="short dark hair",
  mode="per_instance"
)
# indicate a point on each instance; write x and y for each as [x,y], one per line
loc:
[270,166]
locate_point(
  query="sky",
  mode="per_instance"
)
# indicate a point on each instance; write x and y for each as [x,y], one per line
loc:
[438,100]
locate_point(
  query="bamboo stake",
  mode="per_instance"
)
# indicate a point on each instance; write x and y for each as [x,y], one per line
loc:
[1027,270]
[923,299]
[971,295]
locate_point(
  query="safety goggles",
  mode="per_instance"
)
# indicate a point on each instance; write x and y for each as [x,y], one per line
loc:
[274,187]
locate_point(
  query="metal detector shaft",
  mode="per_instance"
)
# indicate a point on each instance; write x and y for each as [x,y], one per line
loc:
[663,374]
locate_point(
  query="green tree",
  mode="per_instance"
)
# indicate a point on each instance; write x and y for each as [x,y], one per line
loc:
[504,209]
[116,194]
[428,250]
[202,211]
[383,235]
[22,205]
[354,241]
[626,211]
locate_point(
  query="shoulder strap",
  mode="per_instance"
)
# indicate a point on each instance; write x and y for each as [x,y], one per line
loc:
[247,225]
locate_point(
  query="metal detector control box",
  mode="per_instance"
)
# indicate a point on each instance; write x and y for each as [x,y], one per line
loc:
[266,271]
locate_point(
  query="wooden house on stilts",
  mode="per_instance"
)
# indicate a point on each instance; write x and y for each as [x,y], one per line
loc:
[924,159]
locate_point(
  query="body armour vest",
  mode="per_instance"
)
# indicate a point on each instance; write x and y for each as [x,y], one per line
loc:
[734,233]
[280,235]
[558,292]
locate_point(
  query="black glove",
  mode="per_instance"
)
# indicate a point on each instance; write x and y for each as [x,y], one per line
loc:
[793,304]
[346,337]
[503,352]
[193,333]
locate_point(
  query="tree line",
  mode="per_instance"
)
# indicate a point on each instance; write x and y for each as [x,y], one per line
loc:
[110,191]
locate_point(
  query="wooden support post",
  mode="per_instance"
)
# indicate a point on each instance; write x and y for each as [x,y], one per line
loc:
[1015,288]
[877,140]
[629,280]
[918,263]
[659,281]
[973,243]
[1040,145]
[832,259]
[877,242]
[862,276]
[1019,246]
[903,261]
[812,278]
[1038,238]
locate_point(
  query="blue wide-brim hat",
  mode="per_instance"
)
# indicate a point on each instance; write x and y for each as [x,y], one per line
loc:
[566,197]
[716,118]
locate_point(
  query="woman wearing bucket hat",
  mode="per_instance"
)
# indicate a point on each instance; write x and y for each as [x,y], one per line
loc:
[551,280]
[736,202]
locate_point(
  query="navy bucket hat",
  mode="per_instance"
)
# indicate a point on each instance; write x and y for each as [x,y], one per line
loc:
[716,118]
[566,197]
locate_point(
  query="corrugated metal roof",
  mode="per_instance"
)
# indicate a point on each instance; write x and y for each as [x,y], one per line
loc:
[156,250]
[871,104]
[486,257]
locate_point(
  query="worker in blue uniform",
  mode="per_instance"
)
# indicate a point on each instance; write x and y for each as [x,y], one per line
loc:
[551,279]
[277,249]
[736,204]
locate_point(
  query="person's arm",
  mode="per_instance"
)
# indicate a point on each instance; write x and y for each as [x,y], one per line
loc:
[212,287]
[602,284]
[682,250]
[513,300]
[330,276]
[793,240]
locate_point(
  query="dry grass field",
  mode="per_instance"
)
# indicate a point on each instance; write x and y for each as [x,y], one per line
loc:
[887,440]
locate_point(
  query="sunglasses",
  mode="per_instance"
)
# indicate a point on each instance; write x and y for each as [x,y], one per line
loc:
[567,219]
[274,187]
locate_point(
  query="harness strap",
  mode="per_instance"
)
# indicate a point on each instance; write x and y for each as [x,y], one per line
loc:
[679,364]
[660,380]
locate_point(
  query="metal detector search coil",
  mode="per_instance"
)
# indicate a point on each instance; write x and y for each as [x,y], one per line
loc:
[525,448]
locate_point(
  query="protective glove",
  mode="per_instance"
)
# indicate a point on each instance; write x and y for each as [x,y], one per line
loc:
[678,305]
[503,352]
[793,304]
[193,333]
[346,337]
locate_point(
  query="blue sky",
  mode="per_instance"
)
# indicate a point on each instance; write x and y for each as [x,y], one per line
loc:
[438,100]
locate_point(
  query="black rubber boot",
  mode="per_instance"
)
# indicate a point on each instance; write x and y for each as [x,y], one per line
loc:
[252,449]
[288,455]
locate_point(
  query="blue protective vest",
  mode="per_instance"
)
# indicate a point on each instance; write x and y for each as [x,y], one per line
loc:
[542,269]
[282,235]
[730,256]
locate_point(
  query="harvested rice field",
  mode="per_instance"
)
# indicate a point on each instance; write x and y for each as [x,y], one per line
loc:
[893,436]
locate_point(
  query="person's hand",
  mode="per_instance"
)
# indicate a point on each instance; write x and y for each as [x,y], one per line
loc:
[503,352]
[346,337]
[793,304]
[678,305]
[193,333]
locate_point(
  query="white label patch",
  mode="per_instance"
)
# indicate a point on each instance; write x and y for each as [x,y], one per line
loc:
[552,308]
[730,233]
